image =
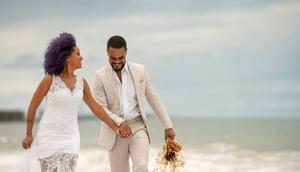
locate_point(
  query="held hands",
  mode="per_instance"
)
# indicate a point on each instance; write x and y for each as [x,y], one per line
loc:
[27,142]
[124,130]
[169,133]
[117,131]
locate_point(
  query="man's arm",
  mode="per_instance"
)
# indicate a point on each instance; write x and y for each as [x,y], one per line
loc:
[158,107]
[100,97]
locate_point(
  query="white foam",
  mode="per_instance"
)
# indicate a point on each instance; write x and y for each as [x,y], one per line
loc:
[211,158]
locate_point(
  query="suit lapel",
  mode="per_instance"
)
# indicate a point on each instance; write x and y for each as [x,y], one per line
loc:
[112,81]
[135,77]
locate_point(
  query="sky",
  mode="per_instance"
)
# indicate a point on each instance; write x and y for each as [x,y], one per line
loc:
[205,58]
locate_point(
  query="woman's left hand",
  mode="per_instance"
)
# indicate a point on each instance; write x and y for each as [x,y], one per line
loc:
[117,131]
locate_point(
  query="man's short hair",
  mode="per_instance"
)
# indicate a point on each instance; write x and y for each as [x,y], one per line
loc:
[116,41]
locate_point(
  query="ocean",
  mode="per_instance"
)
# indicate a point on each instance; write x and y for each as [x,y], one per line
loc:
[210,144]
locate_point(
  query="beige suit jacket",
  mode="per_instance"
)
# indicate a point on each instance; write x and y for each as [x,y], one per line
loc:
[106,94]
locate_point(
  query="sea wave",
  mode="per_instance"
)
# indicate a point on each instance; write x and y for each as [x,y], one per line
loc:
[216,157]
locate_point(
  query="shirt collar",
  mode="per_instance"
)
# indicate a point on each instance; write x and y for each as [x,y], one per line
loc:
[125,68]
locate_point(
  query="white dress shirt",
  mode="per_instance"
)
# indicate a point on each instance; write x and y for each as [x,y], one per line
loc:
[127,95]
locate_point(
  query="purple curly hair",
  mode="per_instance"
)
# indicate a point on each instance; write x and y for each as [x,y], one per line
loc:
[57,53]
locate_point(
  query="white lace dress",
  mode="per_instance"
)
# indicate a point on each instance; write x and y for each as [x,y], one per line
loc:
[57,142]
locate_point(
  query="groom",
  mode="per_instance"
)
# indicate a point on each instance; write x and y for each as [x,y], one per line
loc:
[121,88]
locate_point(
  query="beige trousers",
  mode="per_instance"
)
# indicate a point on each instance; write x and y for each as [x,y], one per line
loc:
[136,147]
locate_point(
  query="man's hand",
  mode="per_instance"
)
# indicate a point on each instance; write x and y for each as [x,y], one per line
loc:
[169,133]
[125,130]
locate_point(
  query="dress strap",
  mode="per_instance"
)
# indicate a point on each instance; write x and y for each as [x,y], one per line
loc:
[80,82]
[56,84]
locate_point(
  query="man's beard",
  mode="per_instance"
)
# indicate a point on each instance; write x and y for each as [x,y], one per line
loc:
[118,70]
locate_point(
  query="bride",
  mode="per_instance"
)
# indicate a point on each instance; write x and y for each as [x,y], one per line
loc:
[57,142]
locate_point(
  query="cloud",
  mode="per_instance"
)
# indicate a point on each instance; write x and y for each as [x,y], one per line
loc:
[228,57]
[25,61]
[225,31]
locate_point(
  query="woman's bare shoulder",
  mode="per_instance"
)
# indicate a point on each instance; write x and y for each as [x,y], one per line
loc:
[47,80]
